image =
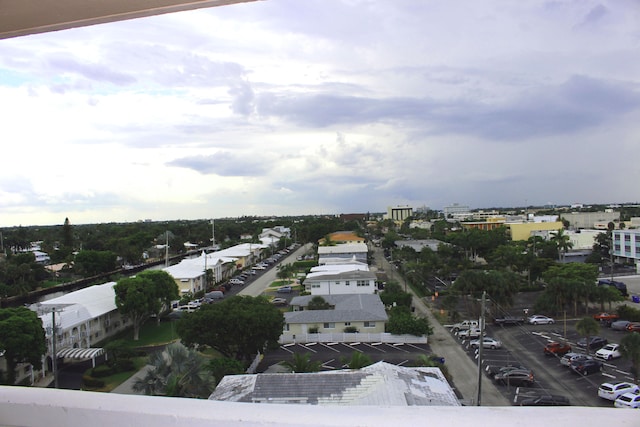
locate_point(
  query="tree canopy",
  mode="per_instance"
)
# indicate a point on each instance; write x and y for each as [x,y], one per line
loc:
[22,339]
[141,296]
[401,321]
[238,327]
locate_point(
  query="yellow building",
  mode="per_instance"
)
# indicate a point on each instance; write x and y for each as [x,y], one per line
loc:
[522,231]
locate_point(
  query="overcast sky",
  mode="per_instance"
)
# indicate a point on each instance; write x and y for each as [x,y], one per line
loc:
[285,107]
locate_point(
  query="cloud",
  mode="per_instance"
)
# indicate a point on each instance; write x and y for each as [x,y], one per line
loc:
[224,163]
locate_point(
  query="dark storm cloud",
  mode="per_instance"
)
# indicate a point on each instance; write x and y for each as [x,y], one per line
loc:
[578,104]
[224,163]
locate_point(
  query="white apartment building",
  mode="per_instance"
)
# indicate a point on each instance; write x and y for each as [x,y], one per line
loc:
[626,246]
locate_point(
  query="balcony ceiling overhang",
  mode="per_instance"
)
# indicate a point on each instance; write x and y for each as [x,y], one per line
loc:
[23,17]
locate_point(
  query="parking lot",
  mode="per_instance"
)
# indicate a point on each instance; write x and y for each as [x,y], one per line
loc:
[334,355]
[523,345]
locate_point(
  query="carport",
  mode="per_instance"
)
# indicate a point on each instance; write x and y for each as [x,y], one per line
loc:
[81,354]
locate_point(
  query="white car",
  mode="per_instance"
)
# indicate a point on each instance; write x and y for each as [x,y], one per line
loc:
[608,352]
[538,319]
[487,342]
[611,391]
[628,400]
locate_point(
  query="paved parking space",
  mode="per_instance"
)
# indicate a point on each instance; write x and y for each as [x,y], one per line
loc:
[523,345]
[333,355]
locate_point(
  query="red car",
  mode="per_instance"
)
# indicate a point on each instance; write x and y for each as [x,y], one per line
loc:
[606,317]
[555,347]
[633,327]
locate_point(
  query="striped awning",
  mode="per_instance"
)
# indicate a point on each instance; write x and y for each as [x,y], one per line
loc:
[80,353]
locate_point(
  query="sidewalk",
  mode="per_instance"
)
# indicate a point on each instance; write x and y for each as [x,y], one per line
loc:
[127,386]
[463,370]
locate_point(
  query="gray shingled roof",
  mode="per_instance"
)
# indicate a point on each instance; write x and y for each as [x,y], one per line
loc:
[348,308]
[378,384]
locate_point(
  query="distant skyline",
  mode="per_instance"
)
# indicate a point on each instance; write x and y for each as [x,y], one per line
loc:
[282,107]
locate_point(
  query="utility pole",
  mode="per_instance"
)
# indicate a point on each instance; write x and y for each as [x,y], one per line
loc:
[213,235]
[166,249]
[481,347]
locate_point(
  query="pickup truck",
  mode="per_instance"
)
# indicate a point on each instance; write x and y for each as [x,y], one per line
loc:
[469,333]
[508,321]
[464,325]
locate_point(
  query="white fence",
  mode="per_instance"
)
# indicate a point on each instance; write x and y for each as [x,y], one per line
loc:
[351,338]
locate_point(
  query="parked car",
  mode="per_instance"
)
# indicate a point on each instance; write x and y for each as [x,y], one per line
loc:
[569,357]
[620,286]
[608,352]
[508,321]
[515,377]
[487,342]
[538,319]
[586,366]
[557,348]
[546,401]
[279,301]
[284,290]
[633,327]
[606,317]
[469,333]
[465,324]
[594,342]
[628,400]
[235,281]
[620,325]
[611,391]
[493,370]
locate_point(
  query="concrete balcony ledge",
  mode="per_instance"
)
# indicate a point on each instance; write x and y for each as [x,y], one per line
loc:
[31,407]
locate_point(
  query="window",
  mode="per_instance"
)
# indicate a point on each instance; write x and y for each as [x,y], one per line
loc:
[369,324]
[346,283]
[337,282]
[362,283]
[286,326]
[347,323]
[315,285]
[329,325]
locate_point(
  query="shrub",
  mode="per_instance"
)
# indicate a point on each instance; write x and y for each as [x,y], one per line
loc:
[102,371]
[350,329]
[314,330]
[90,382]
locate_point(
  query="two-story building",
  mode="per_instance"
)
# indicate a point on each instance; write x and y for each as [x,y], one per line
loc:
[341,280]
[626,246]
[355,313]
[82,319]
[338,253]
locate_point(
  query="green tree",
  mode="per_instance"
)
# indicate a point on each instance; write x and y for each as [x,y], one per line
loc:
[285,271]
[630,348]
[562,242]
[238,327]
[67,234]
[394,295]
[176,371]
[357,360]
[164,289]
[90,263]
[570,283]
[22,339]
[222,366]
[141,296]
[401,322]
[301,363]
[587,327]
[318,303]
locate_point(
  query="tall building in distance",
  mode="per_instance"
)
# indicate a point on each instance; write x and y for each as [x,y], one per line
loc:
[399,213]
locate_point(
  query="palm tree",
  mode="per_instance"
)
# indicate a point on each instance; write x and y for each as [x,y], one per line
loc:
[302,363]
[587,327]
[176,371]
[563,243]
[358,360]
[630,348]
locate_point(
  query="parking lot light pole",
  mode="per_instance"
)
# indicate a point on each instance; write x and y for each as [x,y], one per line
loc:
[481,347]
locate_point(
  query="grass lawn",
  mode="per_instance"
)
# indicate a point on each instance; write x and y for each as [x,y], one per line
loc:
[151,334]
[113,381]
